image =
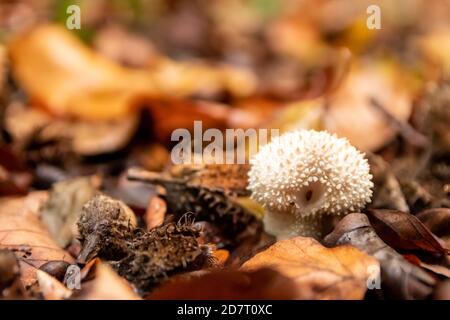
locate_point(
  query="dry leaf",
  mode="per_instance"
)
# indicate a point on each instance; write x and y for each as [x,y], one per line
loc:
[350,113]
[220,256]
[442,291]
[106,285]
[61,211]
[399,278]
[14,175]
[155,213]
[2,67]
[51,288]
[436,45]
[86,138]
[263,284]
[61,74]
[402,230]
[387,192]
[318,272]
[437,220]
[22,232]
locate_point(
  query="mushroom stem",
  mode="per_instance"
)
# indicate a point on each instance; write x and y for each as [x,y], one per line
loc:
[286,226]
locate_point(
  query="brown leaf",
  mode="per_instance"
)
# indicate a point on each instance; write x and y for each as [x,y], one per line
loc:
[156,211]
[51,288]
[106,285]
[212,115]
[23,233]
[85,137]
[318,272]
[442,291]
[402,230]
[10,285]
[399,278]
[387,191]
[350,113]
[14,176]
[67,78]
[437,220]
[262,284]
[221,256]
[66,198]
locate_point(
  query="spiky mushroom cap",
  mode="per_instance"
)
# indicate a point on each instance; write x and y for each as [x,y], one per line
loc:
[304,175]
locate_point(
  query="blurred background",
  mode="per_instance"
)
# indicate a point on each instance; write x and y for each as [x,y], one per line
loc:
[114,90]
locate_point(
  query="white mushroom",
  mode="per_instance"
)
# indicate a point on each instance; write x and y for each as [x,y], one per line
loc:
[304,176]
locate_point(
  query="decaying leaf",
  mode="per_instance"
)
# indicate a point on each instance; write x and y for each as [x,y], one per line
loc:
[14,174]
[437,220]
[2,67]
[74,81]
[86,138]
[262,284]
[318,272]
[387,192]
[106,285]
[51,288]
[23,233]
[10,286]
[349,111]
[63,207]
[155,213]
[399,278]
[61,74]
[402,230]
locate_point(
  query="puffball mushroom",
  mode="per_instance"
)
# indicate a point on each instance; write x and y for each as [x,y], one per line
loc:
[305,177]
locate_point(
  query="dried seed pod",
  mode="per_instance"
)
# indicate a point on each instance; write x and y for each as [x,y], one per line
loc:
[104,226]
[213,204]
[163,251]
[145,258]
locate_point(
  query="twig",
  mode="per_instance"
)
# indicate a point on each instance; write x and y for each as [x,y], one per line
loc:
[411,135]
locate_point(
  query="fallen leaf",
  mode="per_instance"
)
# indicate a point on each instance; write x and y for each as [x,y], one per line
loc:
[61,211]
[402,230]
[387,191]
[156,211]
[262,284]
[86,138]
[318,272]
[442,291]
[76,82]
[399,278]
[15,177]
[10,286]
[349,112]
[436,45]
[437,220]
[221,256]
[212,115]
[51,288]
[61,74]
[2,67]
[124,47]
[106,285]
[23,233]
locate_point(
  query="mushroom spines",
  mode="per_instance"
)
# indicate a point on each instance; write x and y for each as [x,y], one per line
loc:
[309,172]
